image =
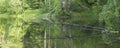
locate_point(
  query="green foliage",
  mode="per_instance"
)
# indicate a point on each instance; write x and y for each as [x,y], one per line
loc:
[3,6]
[35,4]
[16,33]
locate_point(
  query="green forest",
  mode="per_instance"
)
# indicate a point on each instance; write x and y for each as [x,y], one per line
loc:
[59,23]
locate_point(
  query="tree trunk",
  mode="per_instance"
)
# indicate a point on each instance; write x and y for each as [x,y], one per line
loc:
[45,39]
[49,46]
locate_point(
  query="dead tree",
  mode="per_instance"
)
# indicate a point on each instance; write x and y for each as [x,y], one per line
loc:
[65,5]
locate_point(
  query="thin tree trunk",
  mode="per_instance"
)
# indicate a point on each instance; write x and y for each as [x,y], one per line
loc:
[65,33]
[72,43]
[49,45]
[45,39]
[49,3]
[55,46]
